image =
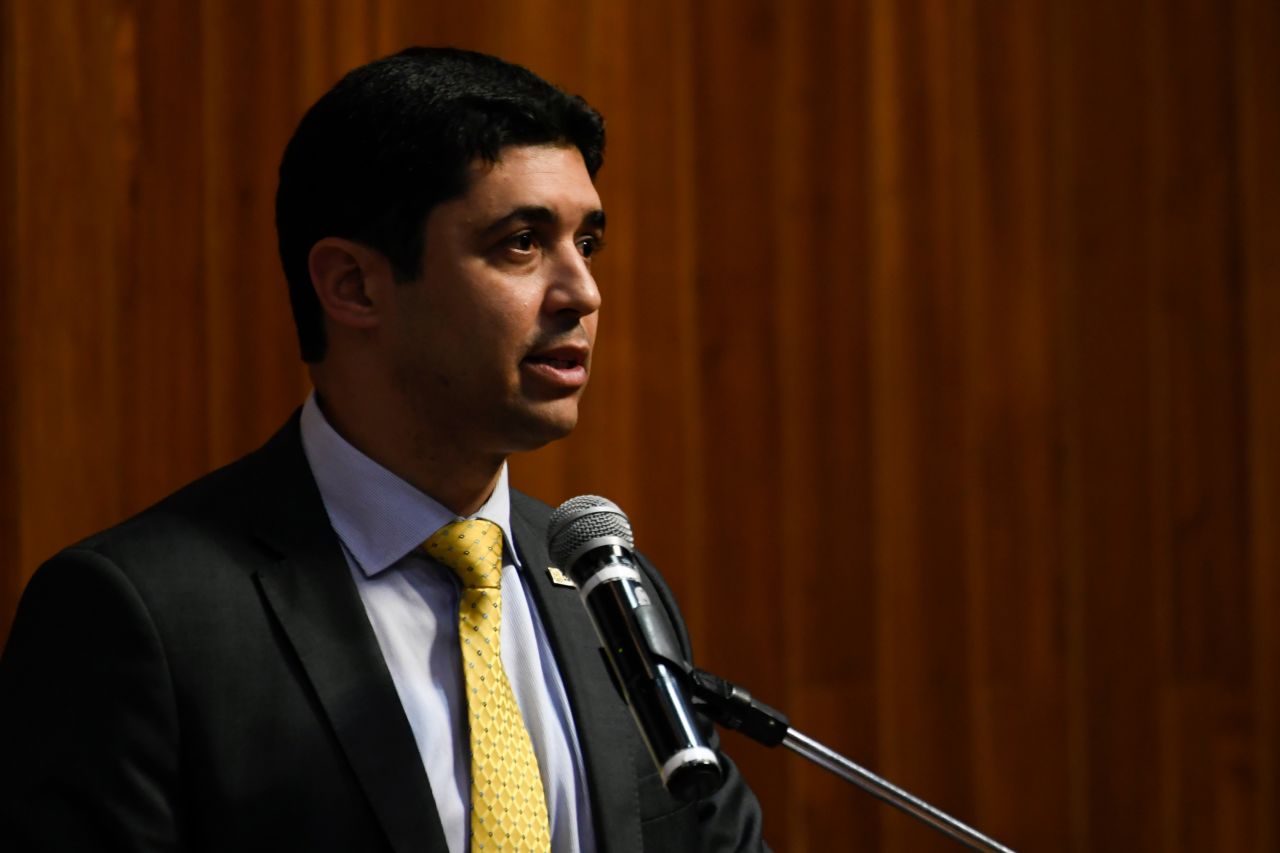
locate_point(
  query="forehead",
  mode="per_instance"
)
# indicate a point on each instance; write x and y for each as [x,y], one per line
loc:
[548,176]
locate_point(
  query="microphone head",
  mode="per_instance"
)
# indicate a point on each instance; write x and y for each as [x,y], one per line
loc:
[585,522]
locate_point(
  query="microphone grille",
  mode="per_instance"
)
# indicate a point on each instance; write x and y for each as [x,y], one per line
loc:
[581,521]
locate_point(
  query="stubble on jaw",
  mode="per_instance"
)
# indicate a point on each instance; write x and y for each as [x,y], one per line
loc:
[440,429]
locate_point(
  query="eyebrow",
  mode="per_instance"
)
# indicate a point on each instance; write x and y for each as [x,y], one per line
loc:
[541,215]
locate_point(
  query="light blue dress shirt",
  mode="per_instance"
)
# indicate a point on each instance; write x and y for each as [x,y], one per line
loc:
[413,605]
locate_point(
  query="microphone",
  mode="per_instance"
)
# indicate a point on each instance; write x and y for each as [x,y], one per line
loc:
[590,538]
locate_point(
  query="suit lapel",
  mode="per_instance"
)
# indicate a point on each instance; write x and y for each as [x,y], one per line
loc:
[598,713]
[310,591]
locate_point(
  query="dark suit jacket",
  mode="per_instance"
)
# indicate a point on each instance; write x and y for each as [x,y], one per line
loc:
[204,677]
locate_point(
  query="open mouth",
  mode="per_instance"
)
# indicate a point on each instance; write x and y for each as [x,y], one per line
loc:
[562,367]
[558,363]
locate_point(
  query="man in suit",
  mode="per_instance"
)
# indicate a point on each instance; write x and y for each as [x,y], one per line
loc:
[269,659]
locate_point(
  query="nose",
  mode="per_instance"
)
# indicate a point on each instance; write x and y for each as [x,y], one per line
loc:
[572,290]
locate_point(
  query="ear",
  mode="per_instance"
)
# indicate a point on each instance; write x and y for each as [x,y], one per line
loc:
[348,279]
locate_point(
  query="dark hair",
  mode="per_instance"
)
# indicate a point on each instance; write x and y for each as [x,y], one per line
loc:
[396,137]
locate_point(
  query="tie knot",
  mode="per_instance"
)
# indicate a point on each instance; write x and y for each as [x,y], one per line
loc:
[472,548]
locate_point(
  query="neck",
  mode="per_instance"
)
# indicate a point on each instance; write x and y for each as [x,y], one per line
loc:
[459,480]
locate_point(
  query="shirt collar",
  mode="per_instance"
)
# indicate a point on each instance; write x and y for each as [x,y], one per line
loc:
[378,516]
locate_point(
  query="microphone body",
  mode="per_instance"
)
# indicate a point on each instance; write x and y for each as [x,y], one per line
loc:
[590,538]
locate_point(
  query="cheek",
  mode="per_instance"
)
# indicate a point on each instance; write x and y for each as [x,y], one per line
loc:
[514,319]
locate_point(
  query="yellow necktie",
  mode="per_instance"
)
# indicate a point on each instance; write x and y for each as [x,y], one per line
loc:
[508,805]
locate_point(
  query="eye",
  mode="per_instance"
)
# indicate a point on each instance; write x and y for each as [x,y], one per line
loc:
[522,242]
[589,245]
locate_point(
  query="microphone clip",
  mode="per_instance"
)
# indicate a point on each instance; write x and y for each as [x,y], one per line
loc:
[734,708]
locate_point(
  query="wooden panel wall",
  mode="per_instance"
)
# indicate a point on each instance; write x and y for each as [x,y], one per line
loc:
[939,364]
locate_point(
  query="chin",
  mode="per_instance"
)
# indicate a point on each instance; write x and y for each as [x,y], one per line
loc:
[542,428]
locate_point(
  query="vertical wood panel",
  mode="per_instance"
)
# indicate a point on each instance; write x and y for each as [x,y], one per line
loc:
[736,54]
[65,295]
[917,415]
[162,295]
[1199,353]
[247,47]
[1108,346]
[937,361]
[1012,491]
[1257,91]
[12,580]
[827,582]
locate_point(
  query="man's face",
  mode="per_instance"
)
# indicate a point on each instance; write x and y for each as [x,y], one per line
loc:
[491,346]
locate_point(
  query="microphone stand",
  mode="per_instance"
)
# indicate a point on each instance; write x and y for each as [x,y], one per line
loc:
[734,708]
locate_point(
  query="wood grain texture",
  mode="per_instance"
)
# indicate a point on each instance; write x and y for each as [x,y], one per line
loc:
[937,368]
[1256,88]
[14,579]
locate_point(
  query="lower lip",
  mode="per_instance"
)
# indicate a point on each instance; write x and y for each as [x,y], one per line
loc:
[559,377]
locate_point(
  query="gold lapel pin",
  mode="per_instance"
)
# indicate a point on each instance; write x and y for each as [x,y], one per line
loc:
[559,578]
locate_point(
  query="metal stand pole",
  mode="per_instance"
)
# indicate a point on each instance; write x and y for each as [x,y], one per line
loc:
[888,792]
[734,708]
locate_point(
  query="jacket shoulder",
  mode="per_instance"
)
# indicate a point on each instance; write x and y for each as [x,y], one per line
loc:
[216,513]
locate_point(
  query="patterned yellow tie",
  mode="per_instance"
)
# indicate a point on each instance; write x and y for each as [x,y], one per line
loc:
[508,806]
